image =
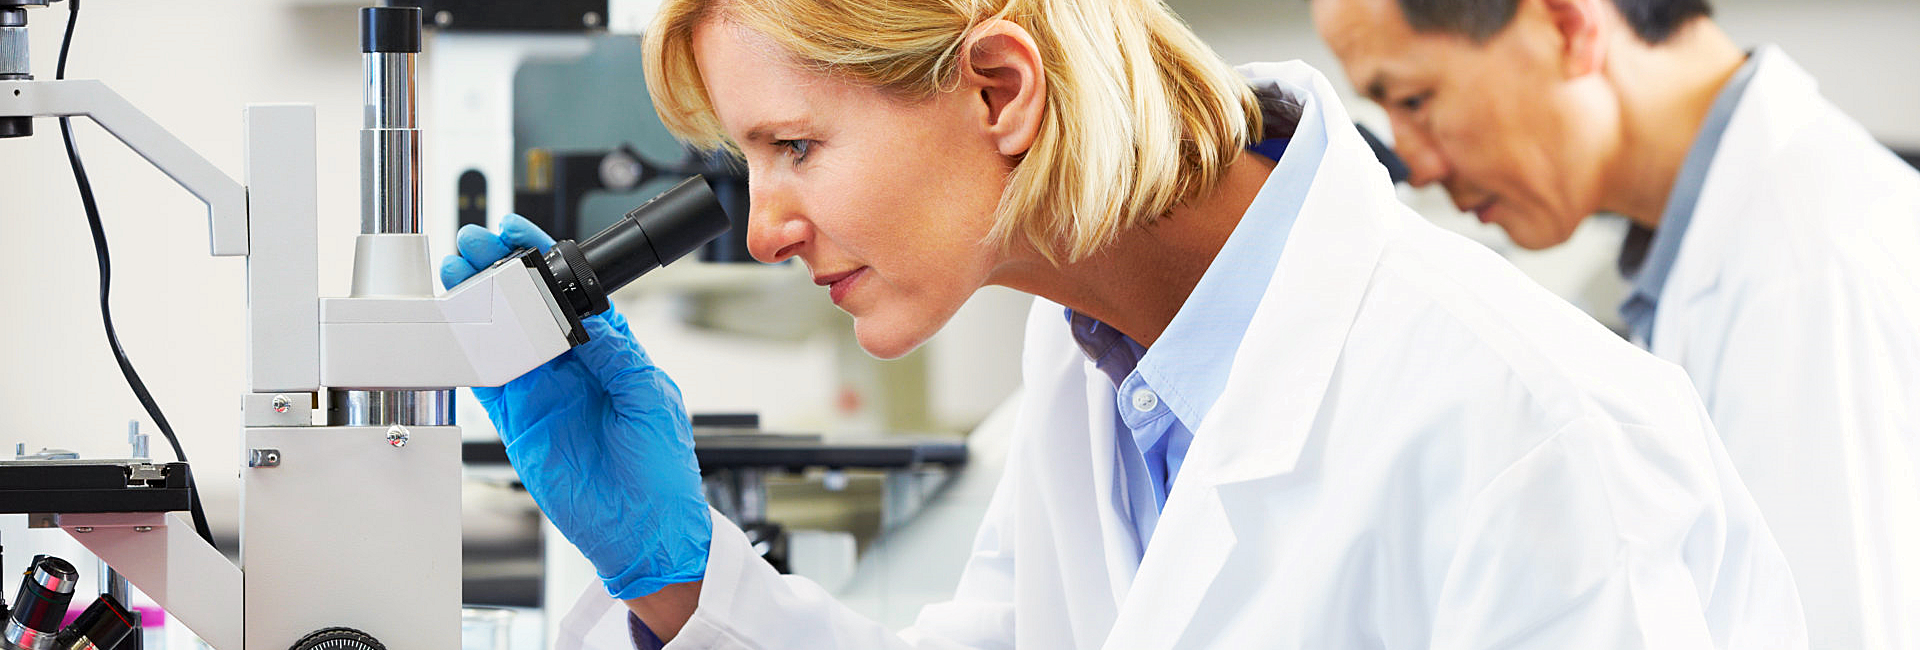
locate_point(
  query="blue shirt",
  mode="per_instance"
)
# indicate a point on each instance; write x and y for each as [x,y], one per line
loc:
[1648,256]
[1162,394]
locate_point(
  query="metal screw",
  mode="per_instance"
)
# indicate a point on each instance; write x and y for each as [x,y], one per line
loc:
[397,436]
[83,529]
[281,404]
[834,480]
[591,19]
[263,458]
[142,529]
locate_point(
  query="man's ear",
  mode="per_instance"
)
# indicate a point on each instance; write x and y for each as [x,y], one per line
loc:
[1582,27]
[1000,63]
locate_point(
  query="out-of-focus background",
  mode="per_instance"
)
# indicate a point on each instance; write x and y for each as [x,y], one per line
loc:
[523,110]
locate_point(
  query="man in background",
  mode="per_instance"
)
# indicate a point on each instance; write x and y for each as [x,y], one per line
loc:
[1774,251]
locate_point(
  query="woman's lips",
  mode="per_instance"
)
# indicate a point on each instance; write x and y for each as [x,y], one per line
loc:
[839,284]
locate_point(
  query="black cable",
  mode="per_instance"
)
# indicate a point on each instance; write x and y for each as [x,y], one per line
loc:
[106,280]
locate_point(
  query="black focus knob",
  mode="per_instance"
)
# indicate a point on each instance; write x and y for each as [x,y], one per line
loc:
[338,638]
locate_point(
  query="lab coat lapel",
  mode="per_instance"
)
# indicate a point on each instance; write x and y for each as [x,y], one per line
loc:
[1779,102]
[1119,545]
[1281,370]
[1089,545]
[1279,376]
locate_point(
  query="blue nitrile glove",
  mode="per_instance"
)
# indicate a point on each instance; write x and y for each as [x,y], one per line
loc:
[601,440]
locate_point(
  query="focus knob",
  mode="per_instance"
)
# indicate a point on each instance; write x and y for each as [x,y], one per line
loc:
[338,638]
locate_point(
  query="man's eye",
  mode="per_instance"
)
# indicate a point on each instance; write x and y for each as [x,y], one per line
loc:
[797,148]
[1415,102]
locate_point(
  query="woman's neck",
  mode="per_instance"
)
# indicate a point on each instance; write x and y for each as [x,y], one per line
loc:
[1139,282]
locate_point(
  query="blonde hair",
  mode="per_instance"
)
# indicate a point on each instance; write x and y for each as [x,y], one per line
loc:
[1140,115]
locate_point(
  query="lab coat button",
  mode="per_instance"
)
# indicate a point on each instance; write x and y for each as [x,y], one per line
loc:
[1145,400]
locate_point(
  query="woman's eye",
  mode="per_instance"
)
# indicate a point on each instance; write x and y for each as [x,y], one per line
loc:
[796,148]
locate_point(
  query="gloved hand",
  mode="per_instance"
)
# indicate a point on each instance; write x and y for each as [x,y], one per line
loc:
[601,440]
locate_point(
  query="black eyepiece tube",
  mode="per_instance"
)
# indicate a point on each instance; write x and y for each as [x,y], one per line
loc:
[41,604]
[677,222]
[665,228]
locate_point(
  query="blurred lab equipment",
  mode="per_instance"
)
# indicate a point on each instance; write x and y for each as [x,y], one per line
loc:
[1396,168]
[486,628]
[372,489]
[736,460]
[550,109]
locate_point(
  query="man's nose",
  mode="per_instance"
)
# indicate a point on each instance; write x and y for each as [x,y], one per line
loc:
[1424,164]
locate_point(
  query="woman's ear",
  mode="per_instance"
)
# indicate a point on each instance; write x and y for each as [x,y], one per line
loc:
[1001,65]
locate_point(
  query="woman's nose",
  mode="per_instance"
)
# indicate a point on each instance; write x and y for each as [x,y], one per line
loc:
[775,230]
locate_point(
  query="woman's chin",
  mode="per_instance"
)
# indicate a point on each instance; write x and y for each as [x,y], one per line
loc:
[888,340]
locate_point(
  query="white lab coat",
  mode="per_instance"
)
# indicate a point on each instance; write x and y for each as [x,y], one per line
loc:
[1417,448]
[1794,304]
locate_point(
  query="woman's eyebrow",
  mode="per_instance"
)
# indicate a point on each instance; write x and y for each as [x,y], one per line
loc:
[764,131]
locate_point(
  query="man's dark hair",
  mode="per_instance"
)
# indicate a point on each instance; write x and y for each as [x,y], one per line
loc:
[1652,20]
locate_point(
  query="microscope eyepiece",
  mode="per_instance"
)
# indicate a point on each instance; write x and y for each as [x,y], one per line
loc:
[665,228]
[42,602]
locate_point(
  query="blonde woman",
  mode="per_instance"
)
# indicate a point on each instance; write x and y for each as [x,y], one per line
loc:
[1266,406]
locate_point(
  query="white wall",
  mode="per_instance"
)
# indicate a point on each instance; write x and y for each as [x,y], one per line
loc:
[1865,52]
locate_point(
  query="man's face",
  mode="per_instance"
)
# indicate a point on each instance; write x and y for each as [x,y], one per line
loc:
[1504,125]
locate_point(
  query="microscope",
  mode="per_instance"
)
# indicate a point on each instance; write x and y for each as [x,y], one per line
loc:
[350,523]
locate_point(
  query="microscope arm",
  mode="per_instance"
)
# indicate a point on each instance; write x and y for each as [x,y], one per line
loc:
[490,329]
[160,553]
[226,200]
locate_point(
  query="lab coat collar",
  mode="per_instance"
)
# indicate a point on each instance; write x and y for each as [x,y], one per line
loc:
[1188,366]
[1256,430]
[1780,101]
[1303,317]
